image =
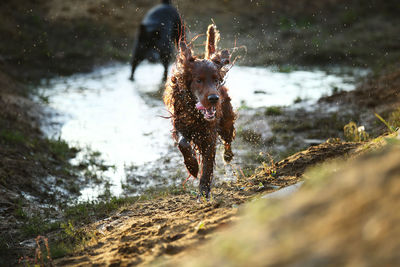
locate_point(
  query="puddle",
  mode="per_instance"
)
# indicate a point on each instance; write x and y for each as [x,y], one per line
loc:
[260,87]
[105,111]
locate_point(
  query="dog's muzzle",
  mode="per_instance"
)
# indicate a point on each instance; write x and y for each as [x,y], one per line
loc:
[213,99]
[209,114]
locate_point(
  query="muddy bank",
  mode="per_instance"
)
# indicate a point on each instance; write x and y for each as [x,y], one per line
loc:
[34,171]
[37,179]
[343,215]
[381,94]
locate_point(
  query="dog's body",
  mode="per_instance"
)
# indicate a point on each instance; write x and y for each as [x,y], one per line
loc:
[201,107]
[159,30]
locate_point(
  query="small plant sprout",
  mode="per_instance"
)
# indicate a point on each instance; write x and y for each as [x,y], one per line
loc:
[394,119]
[269,169]
[199,226]
[391,128]
[354,133]
[260,185]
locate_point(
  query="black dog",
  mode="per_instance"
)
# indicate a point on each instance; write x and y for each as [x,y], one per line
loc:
[159,30]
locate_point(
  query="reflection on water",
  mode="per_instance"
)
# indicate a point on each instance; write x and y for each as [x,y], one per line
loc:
[258,87]
[105,111]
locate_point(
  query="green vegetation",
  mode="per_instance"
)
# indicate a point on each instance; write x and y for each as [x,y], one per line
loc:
[353,133]
[394,119]
[249,136]
[38,225]
[297,100]
[61,149]
[243,106]
[285,68]
[273,111]
[12,136]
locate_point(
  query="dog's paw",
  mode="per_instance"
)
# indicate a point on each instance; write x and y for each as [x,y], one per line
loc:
[228,155]
[204,194]
[203,199]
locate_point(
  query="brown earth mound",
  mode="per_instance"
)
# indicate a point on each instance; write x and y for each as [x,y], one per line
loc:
[382,93]
[344,216]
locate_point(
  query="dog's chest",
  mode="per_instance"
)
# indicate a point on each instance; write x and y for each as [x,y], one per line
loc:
[189,121]
[191,124]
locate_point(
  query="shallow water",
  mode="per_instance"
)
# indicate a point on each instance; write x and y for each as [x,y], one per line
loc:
[107,112]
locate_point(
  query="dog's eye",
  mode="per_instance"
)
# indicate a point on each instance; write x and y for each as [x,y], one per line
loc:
[198,80]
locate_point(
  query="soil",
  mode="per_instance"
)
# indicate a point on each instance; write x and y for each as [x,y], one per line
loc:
[41,39]
[342,215]
[381,95]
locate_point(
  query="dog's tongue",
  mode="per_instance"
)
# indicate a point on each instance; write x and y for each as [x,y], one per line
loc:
[209,113]
[199,106]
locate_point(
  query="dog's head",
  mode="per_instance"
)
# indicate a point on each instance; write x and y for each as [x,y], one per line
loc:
[204,77]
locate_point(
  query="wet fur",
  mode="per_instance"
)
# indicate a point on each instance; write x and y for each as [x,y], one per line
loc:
[190,127]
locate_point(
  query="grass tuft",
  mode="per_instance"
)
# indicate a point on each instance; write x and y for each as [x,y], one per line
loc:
[13,137]
[273,111]
[354,133]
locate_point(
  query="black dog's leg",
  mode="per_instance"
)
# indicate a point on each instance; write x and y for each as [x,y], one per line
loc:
[165,75]
[189,156]
[139,50]
[165,59]
[135,62]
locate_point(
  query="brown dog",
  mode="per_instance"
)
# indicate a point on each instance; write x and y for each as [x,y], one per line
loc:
[200,107]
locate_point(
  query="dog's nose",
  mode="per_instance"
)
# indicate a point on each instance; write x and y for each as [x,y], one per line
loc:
[213,99]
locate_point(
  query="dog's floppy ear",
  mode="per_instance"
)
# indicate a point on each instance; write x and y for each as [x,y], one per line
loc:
[185,52]
[221,58]
[212,40]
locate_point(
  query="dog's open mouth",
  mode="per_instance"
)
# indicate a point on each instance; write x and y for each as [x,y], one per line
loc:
[209,114]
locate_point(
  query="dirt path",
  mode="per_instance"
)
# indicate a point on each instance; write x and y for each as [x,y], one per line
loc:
[156,230]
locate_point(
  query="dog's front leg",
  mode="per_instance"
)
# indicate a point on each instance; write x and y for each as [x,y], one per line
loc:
[208,156]
[225,127]
[188,156]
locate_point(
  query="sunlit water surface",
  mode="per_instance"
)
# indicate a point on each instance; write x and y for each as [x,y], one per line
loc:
[107,112]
